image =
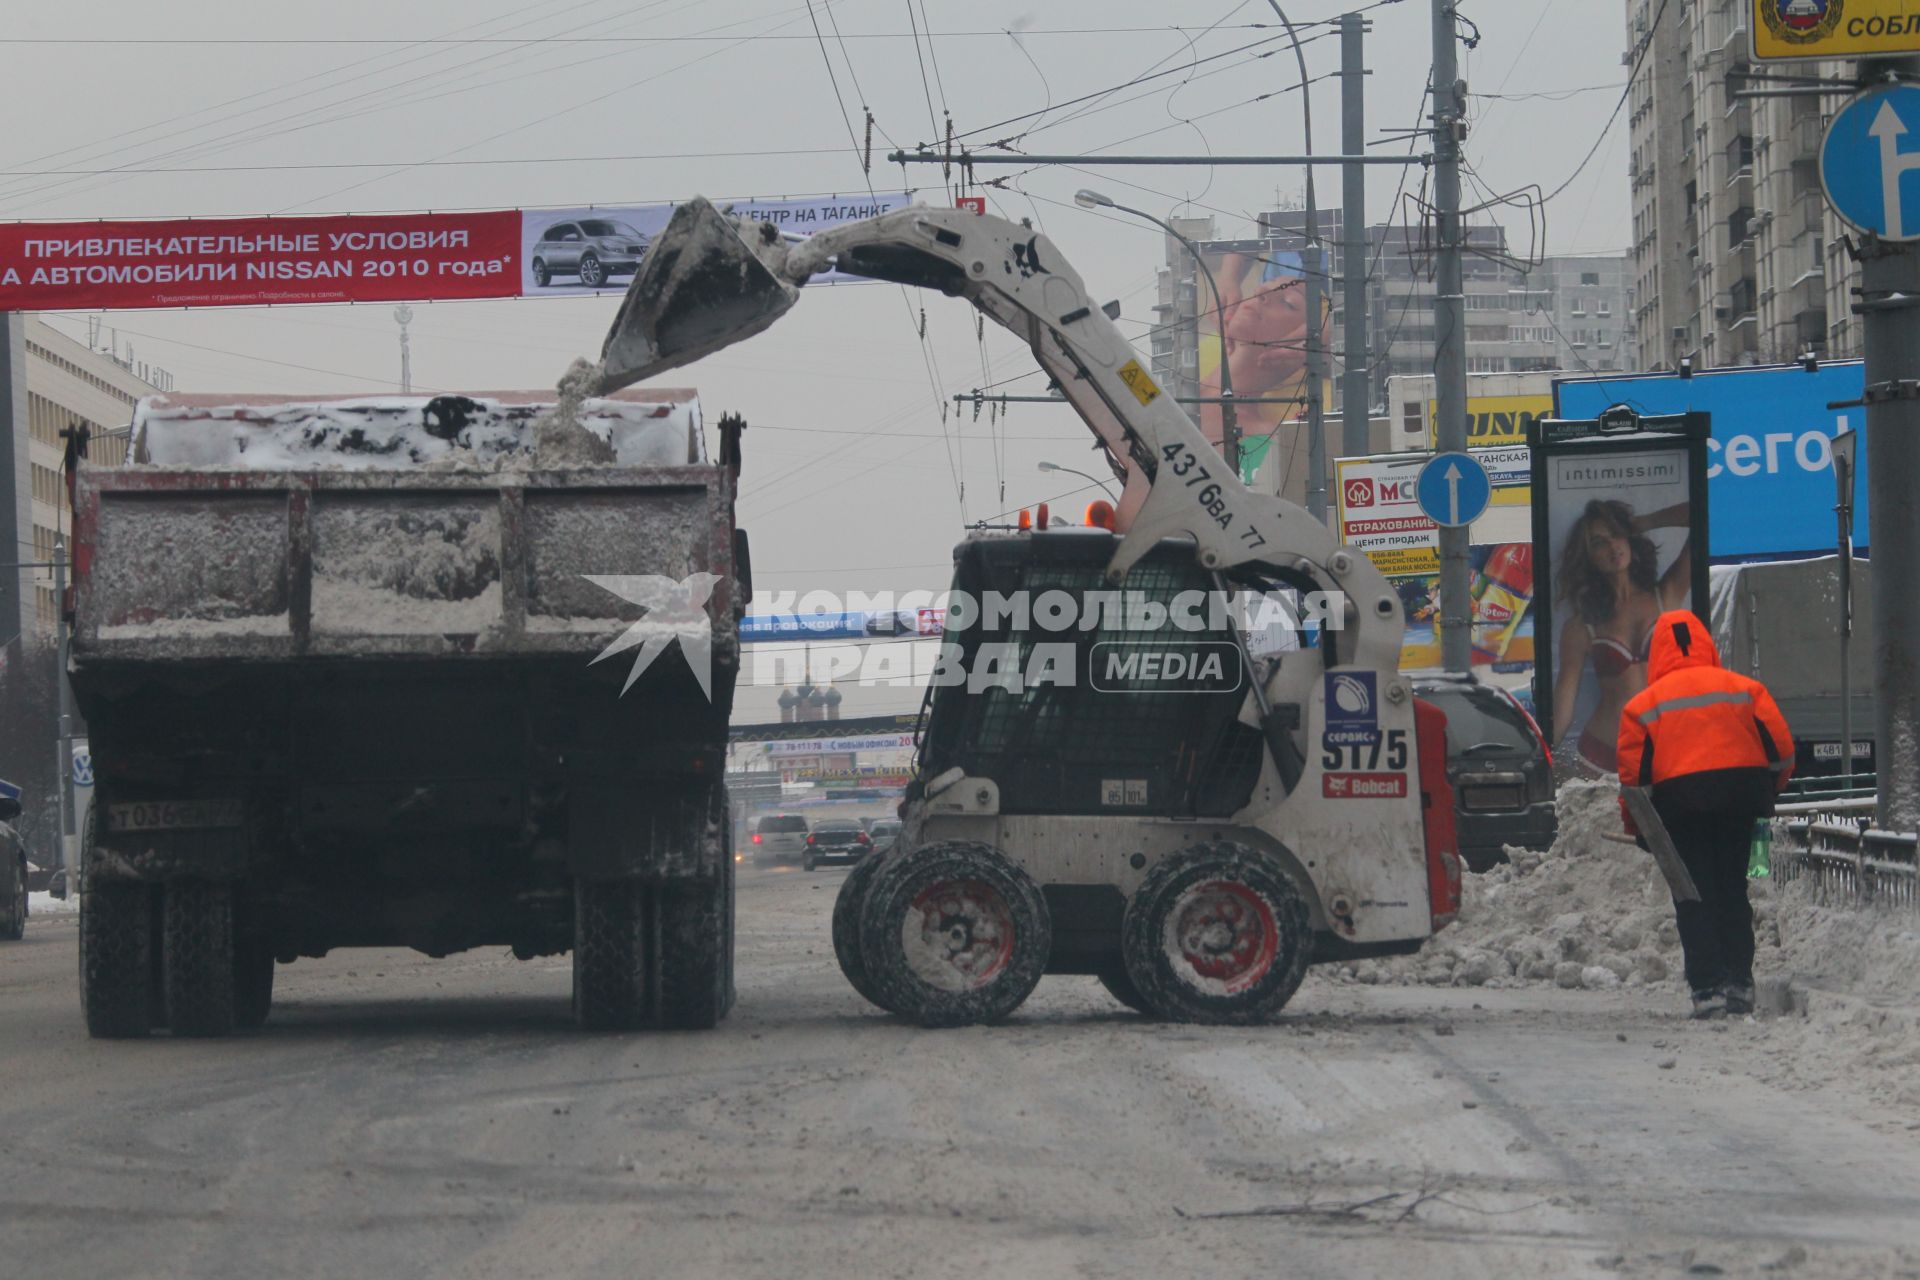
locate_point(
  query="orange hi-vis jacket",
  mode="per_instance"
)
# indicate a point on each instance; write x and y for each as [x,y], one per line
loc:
[1703,738]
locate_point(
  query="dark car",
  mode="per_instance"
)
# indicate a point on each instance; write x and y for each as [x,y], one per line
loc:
[1499,765]
[13,868]
[836,841]
[591,248]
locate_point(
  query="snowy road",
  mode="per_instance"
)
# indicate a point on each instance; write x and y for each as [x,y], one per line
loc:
[406,1116]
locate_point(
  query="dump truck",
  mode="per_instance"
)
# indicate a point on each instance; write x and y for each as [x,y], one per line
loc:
[1111,781]
[341,665]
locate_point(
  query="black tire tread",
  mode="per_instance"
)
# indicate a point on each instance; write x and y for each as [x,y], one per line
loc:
[609,955]
[116,959]
[1166,995]
[898,881]
[692,978]
[846,927]
[13,920]
[196,957]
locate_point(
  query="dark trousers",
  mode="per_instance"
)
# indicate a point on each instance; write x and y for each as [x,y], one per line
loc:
[1716,933]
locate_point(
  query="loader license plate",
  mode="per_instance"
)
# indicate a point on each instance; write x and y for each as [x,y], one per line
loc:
[173,815]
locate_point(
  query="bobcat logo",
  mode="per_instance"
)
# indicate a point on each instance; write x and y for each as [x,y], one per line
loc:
[1802,21]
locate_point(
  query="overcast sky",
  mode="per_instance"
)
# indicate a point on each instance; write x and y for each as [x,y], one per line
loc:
[852,480]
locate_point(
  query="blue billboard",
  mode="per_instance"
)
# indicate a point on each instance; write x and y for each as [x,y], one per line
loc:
[1770,486]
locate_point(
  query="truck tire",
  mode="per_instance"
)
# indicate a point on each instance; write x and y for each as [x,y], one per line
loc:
[1217,933]
[693,985]
[13,899]
[116,959]
[252,984]
[610,950]
[846,927]
[197,957]
[1121,988]
[954,933]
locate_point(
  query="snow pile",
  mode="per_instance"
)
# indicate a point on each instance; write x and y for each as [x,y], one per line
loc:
[393,433]
[1590,912]
[45,904]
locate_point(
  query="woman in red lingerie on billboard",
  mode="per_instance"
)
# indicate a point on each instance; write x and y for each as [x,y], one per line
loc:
[1608,571]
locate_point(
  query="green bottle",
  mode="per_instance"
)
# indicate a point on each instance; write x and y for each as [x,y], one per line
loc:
[1760,860]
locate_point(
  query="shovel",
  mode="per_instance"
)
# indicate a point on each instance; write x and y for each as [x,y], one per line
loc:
[1660,843]
[707,281]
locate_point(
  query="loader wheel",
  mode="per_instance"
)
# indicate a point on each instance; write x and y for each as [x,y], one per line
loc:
[610,947]
[693,976]
[197,957]
[846,926]
[252,984]
[1121,988]
[593,272]
[116,959]
[541,276]
[1217,933]
[13,900]
[954,933]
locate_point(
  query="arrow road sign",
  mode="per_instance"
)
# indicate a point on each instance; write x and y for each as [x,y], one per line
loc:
[1453,489]
[1867,159]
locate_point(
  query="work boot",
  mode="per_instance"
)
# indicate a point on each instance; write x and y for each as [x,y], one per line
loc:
[1740,998]
[1711,1004]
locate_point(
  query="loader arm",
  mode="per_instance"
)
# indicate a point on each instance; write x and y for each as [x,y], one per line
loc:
[1176,484]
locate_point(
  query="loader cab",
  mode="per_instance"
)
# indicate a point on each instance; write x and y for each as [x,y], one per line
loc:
[1080,699]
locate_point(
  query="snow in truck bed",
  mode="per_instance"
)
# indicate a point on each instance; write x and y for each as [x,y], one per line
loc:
[650,426]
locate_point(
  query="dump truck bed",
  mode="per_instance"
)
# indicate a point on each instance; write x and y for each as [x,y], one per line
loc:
[184,565]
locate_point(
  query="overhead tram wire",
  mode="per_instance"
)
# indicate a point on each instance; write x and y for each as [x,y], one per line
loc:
[305,116]
[1640,56]
[926,356]
[539,120]
[278,92]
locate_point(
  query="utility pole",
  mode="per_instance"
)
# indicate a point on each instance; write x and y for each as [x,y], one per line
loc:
[69,860]
[1355,394]
[1449,326]
[404,314]
[1889,290]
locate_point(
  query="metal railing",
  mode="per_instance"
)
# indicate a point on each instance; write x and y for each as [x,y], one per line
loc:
[1835,846]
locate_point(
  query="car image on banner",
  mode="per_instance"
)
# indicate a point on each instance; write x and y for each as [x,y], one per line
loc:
[597,249]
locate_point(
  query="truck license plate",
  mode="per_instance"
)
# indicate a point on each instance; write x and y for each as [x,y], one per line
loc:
[173,815]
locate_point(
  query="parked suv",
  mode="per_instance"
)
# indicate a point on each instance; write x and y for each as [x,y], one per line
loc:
[591,248]
[13,868]
[1499,765]
[780,837]
[837,840]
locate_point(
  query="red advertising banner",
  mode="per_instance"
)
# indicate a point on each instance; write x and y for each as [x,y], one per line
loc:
[206,262]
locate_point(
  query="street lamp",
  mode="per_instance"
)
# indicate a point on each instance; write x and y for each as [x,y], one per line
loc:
[1054,466]
[1229,420]
[1845,448]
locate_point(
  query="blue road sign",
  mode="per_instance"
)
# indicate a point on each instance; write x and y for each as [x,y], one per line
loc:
[1870,162]
[1453,489]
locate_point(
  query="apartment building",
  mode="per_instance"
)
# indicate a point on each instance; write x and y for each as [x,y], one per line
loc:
[48,383]
[1736,259]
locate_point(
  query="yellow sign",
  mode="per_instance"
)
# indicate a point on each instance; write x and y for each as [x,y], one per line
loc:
[1139,382]
[1493,420]
[1800,30]
[1405,562]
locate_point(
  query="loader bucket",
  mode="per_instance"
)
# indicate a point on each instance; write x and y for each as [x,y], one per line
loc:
[707,281]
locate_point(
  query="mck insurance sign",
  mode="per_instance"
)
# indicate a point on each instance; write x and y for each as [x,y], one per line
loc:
[1802,30]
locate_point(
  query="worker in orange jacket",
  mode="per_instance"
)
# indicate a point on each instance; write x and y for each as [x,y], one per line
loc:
[1715,750]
